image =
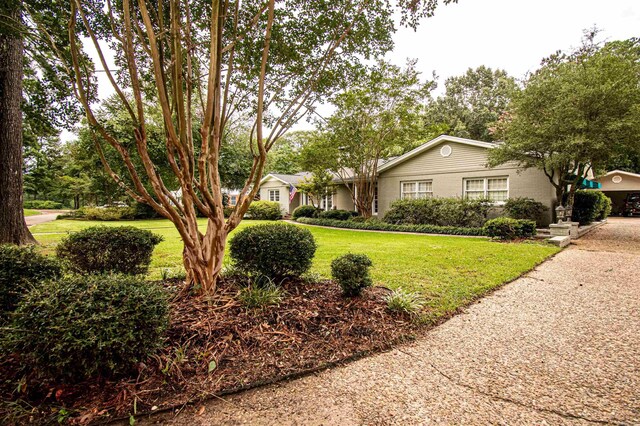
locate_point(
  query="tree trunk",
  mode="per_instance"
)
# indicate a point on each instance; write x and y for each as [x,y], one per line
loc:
[203,263]
[13,228]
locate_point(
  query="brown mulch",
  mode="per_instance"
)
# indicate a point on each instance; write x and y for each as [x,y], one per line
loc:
[216,347]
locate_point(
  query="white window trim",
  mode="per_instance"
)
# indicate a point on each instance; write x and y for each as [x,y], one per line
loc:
[417,184]
[275,192]
[324,205]
[486,187]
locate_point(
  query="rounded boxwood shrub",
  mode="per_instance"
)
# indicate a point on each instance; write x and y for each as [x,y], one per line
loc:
[20,269]
[351,272]
[81,327]
[99,249]
[336,214]
[506,228]
[305,211]
[275,250]
[527,208]
[264,210]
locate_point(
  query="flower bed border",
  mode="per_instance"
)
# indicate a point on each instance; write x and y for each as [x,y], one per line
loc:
[383,226]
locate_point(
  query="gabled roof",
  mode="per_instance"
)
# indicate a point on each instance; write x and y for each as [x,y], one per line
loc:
[622,172]
[427,145]
[286,179]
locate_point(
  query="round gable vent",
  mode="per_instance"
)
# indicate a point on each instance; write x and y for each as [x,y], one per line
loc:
[445,151]
[616,179]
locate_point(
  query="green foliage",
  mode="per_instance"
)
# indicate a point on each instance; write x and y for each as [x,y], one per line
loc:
[276,250]
[580,110]
[20,269]
[264,210]
[472,103]
[305,211]
[527,208]
[406,302]
[458,212]
[83,326]
[351,272]
[336,214]
[506,228]
[173,274]
[376,225]
[42,205]
[317,186]
[589,206]
[99,249]
[144,211]
[106,214]
[260,296]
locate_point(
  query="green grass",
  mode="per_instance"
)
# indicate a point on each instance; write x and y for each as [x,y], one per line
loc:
[448,271]
[29,212]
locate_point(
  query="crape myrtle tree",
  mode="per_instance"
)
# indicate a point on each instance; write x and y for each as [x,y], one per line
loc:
[576,114]
[375,118]
[270,60]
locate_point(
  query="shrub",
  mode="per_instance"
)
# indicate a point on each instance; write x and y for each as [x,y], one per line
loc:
[351,272]
[123,249]
[264,210]
[403,301]
[439,211]
[275,250]
[42,205]
[305,211]
[260,296]
[589,206]
[527,208]
[173,273]
[89,325]
[20,269]
[506,228]
[105,213]
[144,211]
[336,214]
[373,224]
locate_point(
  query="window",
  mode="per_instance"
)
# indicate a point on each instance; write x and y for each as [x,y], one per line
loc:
[327,202]
[417,189]
[494,189]
[233,200]
[374,208]
[274,195]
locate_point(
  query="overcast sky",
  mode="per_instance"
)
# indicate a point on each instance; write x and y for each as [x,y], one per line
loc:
[510,34]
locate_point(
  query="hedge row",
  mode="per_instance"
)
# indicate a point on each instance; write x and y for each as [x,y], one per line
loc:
[374,225]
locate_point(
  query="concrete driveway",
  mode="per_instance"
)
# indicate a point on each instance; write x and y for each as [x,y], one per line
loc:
[43,217]
[558,346]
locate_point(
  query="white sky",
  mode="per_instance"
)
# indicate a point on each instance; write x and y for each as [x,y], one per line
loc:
[510,34]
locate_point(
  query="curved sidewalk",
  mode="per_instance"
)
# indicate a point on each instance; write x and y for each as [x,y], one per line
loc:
[558,346]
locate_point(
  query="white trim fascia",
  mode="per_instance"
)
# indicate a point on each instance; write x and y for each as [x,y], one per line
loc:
[622,172]
[264,179]
[431,143]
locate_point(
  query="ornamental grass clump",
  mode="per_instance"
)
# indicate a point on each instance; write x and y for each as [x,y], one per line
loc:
[406,302]
[277,251]
[101,249]
[260,296]
[351,272]
[86,326]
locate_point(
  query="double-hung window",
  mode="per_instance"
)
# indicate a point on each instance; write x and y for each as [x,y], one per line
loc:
[416,189]
[327,202]
[274,195]
[494,189]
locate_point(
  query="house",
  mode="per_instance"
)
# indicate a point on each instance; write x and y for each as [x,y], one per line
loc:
[617,185]
[446,166]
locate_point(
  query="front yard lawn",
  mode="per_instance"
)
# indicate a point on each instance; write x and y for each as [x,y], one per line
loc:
[449,271]
[29,212]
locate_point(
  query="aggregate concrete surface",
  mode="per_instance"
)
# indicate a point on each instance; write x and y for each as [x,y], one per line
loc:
[561,345]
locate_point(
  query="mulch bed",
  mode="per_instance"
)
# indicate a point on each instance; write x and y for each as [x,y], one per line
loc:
[216,347]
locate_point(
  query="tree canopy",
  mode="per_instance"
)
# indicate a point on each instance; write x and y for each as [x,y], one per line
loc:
[579,112]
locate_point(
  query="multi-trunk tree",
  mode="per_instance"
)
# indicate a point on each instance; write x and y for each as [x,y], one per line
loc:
[374,119]
[576,113]
[269,60]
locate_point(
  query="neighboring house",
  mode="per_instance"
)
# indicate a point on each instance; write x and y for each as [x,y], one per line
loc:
[617,185]
[446,166]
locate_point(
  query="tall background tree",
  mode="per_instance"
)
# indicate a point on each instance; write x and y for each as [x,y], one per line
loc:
[472,104]
[374,119]
[217,60]
[578,113]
